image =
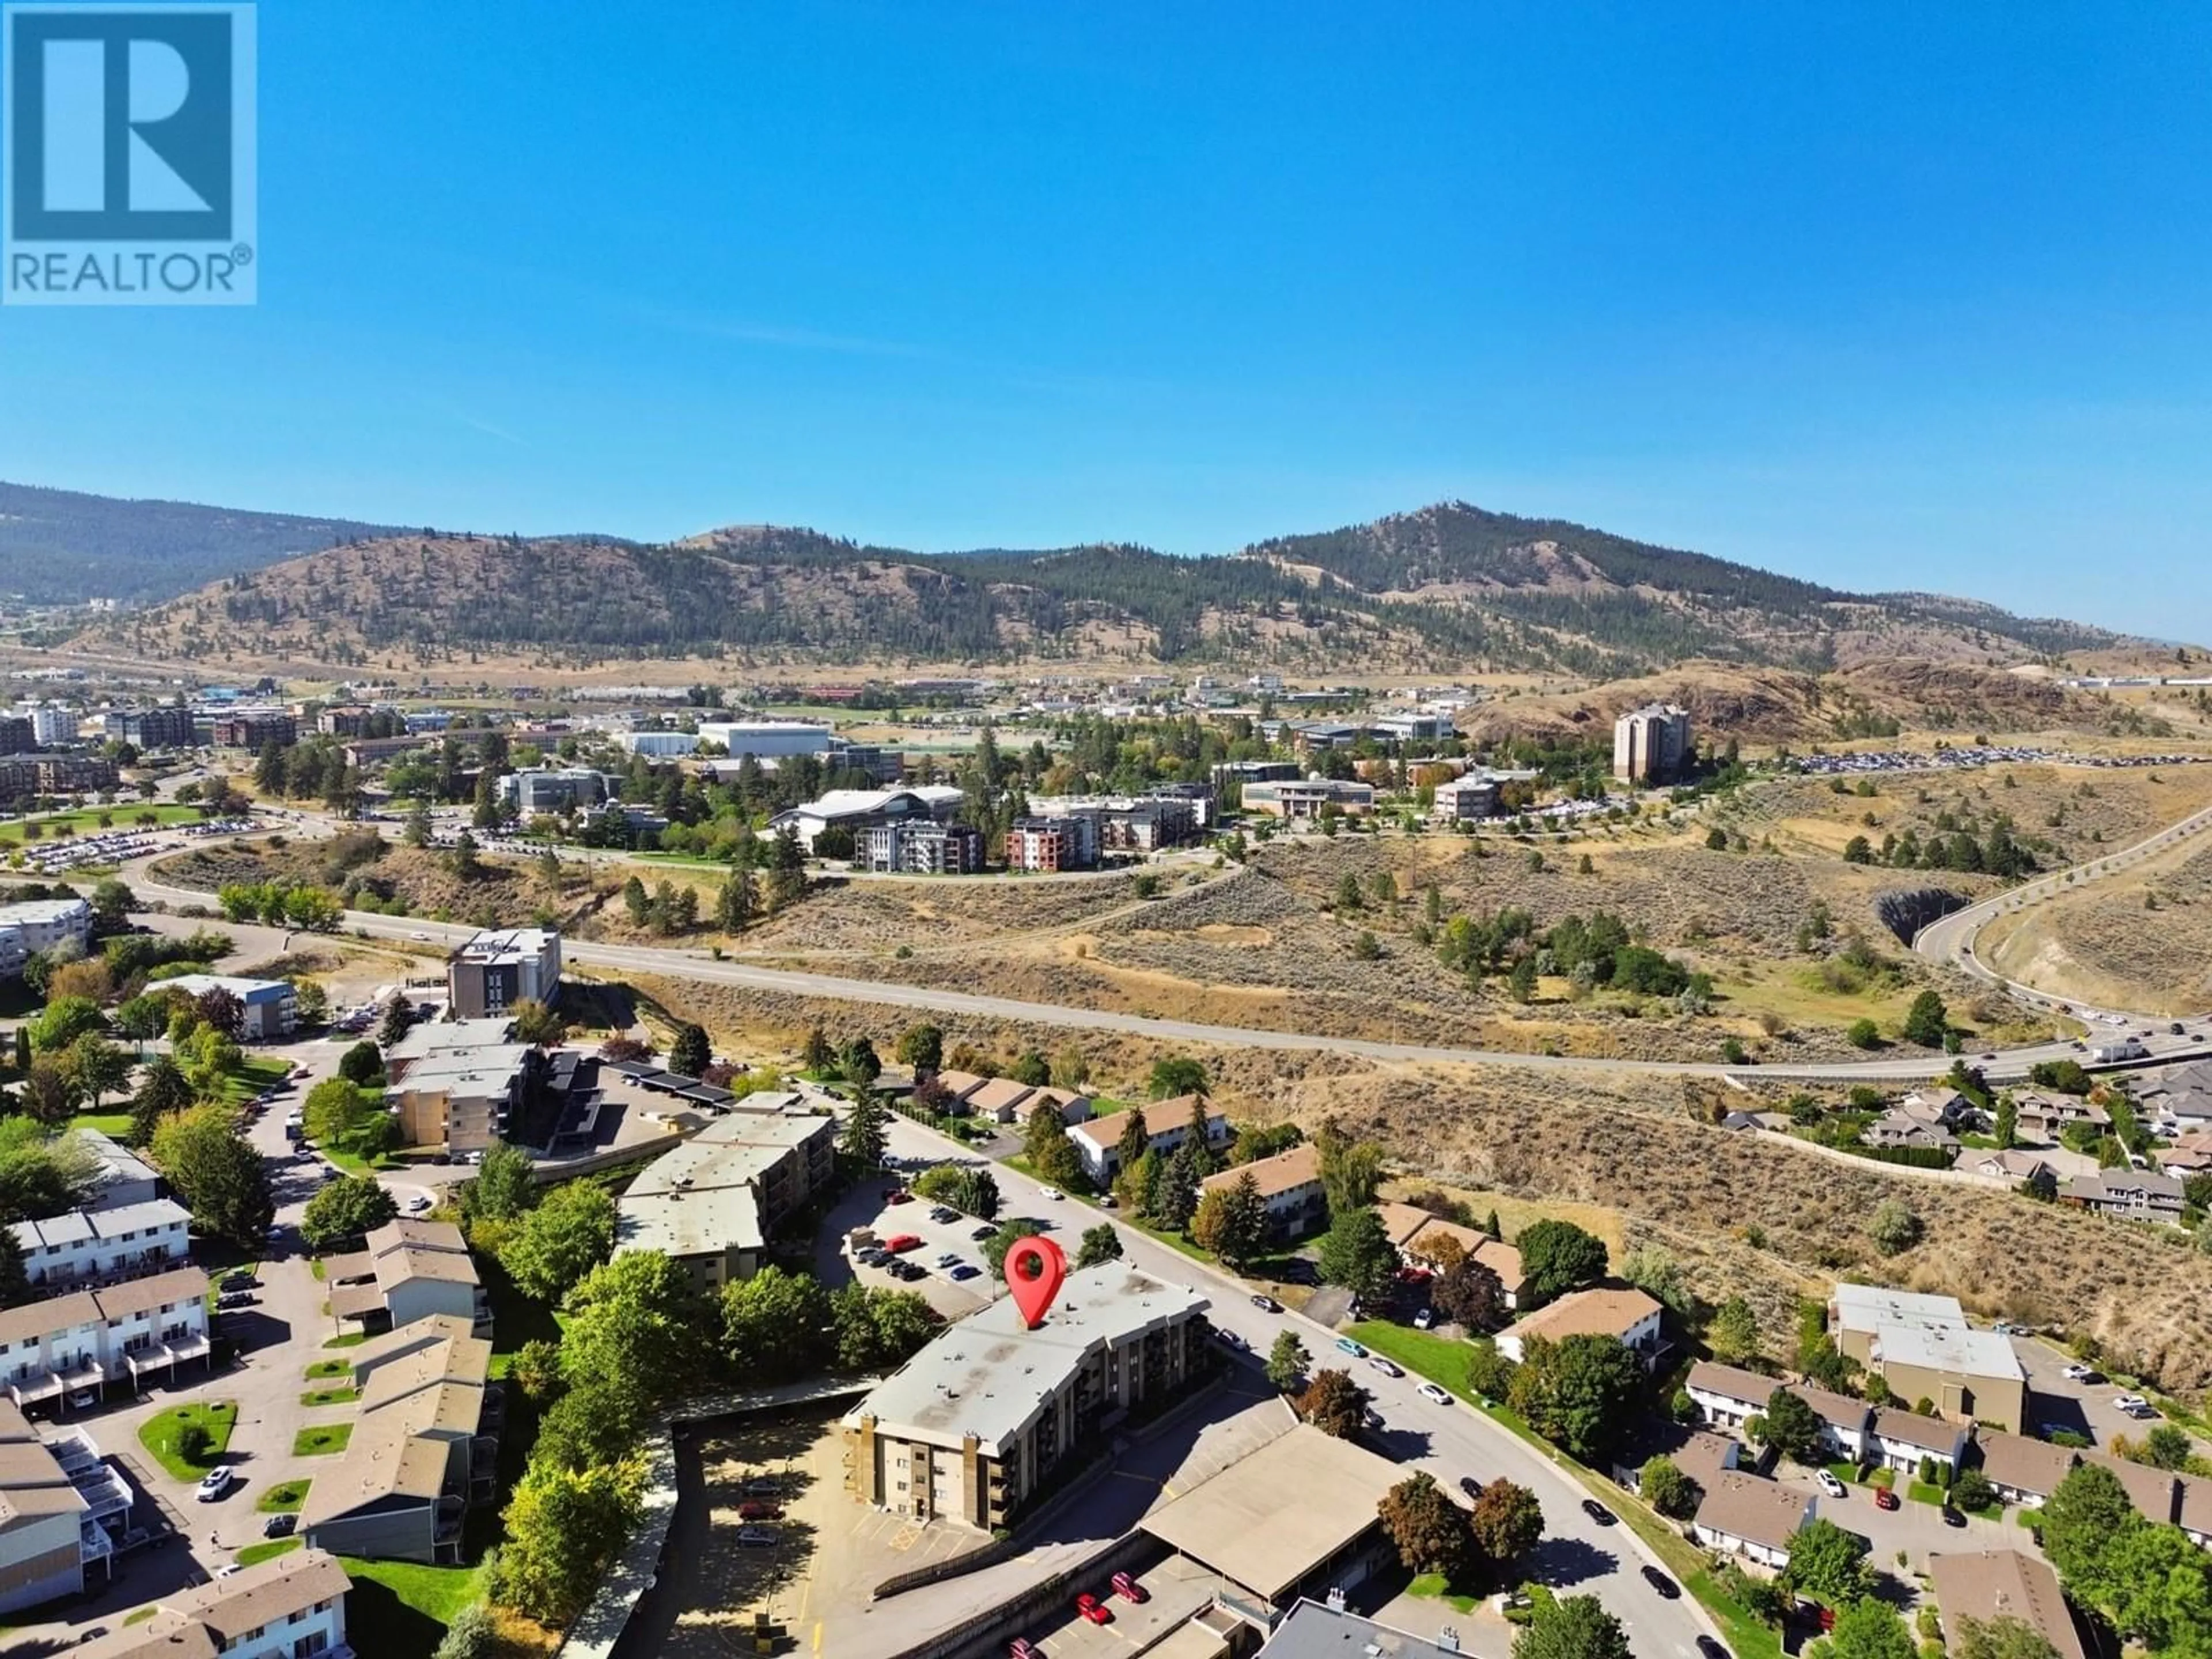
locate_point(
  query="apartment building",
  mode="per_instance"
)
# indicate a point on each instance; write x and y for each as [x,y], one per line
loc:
[88,1338]
[1289,1183]
[272,1007]
[52,724]
[166,725]
[255,728]
[460,1085]
[86,1249]
[984,1416]
[22,775]
[290,1607]
[56,1500]
[119,1177]
[713,1202]
[1070,841]
[1651,744]
[406,1271]
[1924,1349]
[424,1449]
[1629,1316]
[1167,1123]
[30,926]
[923,847]
[500,967]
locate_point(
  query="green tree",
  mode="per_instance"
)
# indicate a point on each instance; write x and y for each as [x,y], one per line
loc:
[2167,1447]
[1011,1231]
[562,1527]
[637,1329]
[216,1173]
[1893,1227]
[1863,1034]
[922,1048]
[63,1021]
[1791,1427]
[1577,1392]
[161,1091]
[50,1092]
[398,1020]
[536,1024]
[2162,1593]
[15,1277]
[1430,1530]
[1927,1020]
[1134,1140]
[691,1052]
[569,1232]
[1351,1171]
[858,1062]
[966,1187]
[815,1057]
[1507,1522]
[469,1634]
[2086,1512]
[111,903]
[1288,1362]
[504,1186]
[1733,1336]
[1868,1629]
[1489,1373]
[1232,1221]
[878,1330]
[1176,1074]
[1829,1565]
[1051,1156]
[342,1212]
[1334,1403]
[1574,1627]
[776,1327]
[2002,1638]
[1666,1489]
[1470,1295]
[1101,1244]
[865,1132]
[1557,1256]
[363,1064]
[736,902]
[1357,1253]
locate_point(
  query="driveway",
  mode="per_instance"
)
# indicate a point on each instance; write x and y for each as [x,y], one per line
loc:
[2087,1409]
[1916,1528]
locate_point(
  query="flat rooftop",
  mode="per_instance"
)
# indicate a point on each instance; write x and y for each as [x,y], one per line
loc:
[989,1375]
[1947,1348]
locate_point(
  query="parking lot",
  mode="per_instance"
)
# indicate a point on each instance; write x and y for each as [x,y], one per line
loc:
[2086,1408]
[942,1234]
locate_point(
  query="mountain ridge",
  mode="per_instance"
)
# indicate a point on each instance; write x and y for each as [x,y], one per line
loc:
[1450,584]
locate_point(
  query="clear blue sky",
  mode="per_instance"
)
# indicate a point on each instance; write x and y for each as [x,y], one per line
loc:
[1885,295]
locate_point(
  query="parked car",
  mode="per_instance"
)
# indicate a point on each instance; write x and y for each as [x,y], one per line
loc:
[280,1526]
[966,1270]
[417,1204]
[1599,1513]
[756,1538]
[1828,1483]
[898,1195]
[1019,1648]
[1424,1319]
[1660,1582]
[983,1232]
[1435,1393]
[760,1511]
[1470,1485]
[1229,1339]
[943,1214]
[1884,1498]
[1054,1193]
[1129,1590]
[1355,1350]
[2075,1373]
[1089,1607]
[1266,1304]
[763,1485]
[1709,1649]
[84,1399]
[900,1243]
[948,1260]
[1378,1363]
[1953,1517]
[216,1483]
[2129,1403]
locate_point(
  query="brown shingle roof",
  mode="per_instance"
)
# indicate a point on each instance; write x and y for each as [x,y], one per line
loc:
[1283,1172]
[1588,1313]
[1989,1584]
[2152,1491]
[1838,1411]
[1733,1382]
[1754,1508]
[2022,1464]
[1929,1433]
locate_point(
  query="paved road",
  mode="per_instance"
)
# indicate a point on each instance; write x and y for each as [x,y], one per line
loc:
[1951,940]
[1449,1441]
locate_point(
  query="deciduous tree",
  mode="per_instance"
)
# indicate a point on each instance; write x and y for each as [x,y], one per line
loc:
[1574,1627]
[1287,1363]
[1557,1256]
[1577,1392]
[342,1212]
[1430,1530]
[1334,1403]
[1100,1243]
[569,1232]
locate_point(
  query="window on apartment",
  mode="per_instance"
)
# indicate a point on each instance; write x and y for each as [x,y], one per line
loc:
[314,1642]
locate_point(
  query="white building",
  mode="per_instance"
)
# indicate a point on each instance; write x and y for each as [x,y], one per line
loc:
[54,1498]
[1629,1316]
[272,1007]
[104,1245]
[538,790]
[767,739]
[89,1338]
[34,925]
[658,745]
[1749,1515]
[858,809]
[119,1177]
[500,967]
[290,1607]
[1465,799]
[1167,1124]
[1651,744]
[52,724]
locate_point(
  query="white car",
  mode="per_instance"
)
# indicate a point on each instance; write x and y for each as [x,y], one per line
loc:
[1385,1366]
[1424,1319]
[2076,1373]
[1828,1483]
[214,1484]
[417,1204]
[2132,1402]
[1434,1394]
[1052,1193]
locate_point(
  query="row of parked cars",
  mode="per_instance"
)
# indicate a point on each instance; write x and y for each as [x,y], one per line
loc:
[1096,1609]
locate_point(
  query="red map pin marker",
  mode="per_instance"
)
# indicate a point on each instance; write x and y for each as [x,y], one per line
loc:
[1035,1269]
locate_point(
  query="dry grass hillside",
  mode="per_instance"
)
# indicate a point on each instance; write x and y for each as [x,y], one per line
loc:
[1742,1214]
[2141,941]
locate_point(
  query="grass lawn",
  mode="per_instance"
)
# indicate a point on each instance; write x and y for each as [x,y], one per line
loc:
[318,1442]
[86,821]
[399,1609]
[1443,1359]
[351,1340]
[114,1125]
[1434,1585]
[1846,1472]
[159,1436]
[344,1396]
[283,1498]
[323,1368]
[251,1077]
[316,1270]
[1922,1491]
[267,1551]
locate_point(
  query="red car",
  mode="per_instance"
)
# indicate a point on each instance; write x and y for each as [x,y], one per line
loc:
[1019,1648]
[899,1197]
[1413,1275]
[1884,1498]
[1129,1590]
[1094,1609]
[902,1243]
[760,1511]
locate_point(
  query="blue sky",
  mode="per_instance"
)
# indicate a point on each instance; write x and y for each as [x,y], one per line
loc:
[1884,295]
